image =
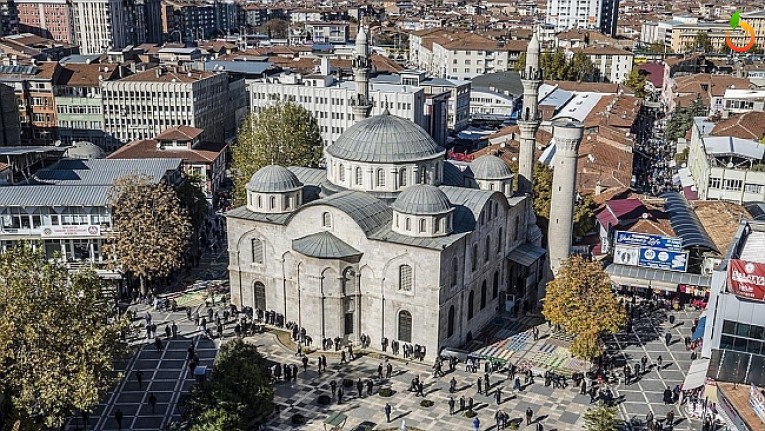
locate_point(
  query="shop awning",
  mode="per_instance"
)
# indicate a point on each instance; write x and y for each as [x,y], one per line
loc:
[526,254]
[699,332]
[654,278]
[697,374]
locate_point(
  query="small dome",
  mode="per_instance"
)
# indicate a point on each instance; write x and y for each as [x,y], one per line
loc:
[84,150]
[422,199]
[490,167]
[273,179]
[385,138]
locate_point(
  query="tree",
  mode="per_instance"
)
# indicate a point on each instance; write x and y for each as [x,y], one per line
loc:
[580,68]
[194,201]
[637,81]
[555,66]
[58,339]
[584,208]
[682,119]
[581,302]
[601,418]
[520,63]
[283,133]
[277,28]
[657,48]
[702,42]
[239,393]
[152,227]
[584,216]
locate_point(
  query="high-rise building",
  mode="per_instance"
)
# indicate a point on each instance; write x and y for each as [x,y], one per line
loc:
[33,88]
[10,127]
[101,25]
[9,17]
[593,14]
[50,19]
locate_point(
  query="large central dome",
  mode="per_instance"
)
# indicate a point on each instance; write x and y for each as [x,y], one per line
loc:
[386,139]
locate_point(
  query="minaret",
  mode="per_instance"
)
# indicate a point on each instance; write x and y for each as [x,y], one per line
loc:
[567,134]
[361,65]
[529,118]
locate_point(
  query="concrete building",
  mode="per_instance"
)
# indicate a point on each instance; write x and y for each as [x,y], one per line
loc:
[9,18]
[612,64]
[50,19]
[335,32]
[79,103]
[100,25]
[141,106]
[740,101]
[10,127]
[684,35]
[458,113]
[567,134]
[64,208]
[33,87]
[194,20]
[593,14]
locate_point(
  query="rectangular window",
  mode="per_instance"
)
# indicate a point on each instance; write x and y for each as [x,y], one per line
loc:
[753,188]
[714,183]
[257,251]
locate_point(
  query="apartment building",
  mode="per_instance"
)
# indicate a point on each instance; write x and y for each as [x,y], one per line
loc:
[194,20]
[446,54]
[79,105]
[334,32]
[684,35]
[612,64]
[33,88]
[51,19]
[9,18]
[600,15]
[141,106]
[100,25]
[10,128]
[331,101]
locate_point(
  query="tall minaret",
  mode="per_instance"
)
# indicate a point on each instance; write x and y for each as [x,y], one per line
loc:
[529,118]
[567,134]
[361,65]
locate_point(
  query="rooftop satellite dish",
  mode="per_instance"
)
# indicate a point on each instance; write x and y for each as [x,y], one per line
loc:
[729,165]
[57,143]
[502,145]
[644,216]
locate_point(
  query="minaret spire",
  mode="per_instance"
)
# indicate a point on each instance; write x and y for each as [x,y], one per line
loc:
[361,69]
[528,123]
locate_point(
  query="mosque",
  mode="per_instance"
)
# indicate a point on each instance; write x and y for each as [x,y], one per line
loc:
[391,240]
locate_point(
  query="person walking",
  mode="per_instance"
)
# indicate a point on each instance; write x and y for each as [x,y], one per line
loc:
[498,396]
[139,378]
[670,418]
[174,330]
[380,371]
[659,360]
[340,395]
[452,385]
[387,410]
[451,406]
[420,389]
[305,363]
[462,403]
[529,415]
[370,387]
[470,404]
[359,387]
[479,386]
[476,424]
[167,331]
[158,344]
[152,402]
[118,418]
[388,370]
[667,338]
[517,385]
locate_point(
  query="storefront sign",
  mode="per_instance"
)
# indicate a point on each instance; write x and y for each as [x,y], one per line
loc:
[663,259]
[637,239]
[747,279]
[651,257]
[78,230]
[757,401]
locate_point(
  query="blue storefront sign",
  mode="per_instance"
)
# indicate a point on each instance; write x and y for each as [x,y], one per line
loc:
[651,257]
[636,239]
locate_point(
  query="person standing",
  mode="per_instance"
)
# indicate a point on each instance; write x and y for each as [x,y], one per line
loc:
[451,406]
[670,418]
[479,386]
[659,360]
[174,329]
[476,424]
[388,370]
[498,396]
[529,415]
[167,332]
[158,344]
[359,387]
[380,371]
[340,395]
[452,385]
[462,403]
[118,418]
[152,402]
[305,363]
[387,410]
[333,386]
[370,386]
[139,378]
[667,338]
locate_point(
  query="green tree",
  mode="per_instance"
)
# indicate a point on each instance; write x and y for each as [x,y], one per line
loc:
[702,42]
[601,418]
[580,68]
[193,199]
[581,302]
[239,392]
[152,227]
[283,133]
[584,216]
[682,119]
[58,339]
[554,65]
[657,48]
[637,81]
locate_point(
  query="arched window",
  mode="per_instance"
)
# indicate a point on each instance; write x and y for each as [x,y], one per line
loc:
[483,294]
[341,172]
[499,241]
[405,278]
[257,250]
[470,305]
[259,300]
[358,176]
[474,258]
[380,178]
[408,224]
[487,249]
[495,286]
[326,220]
[273,202]
[423,174]
[260,202]
[423,225]
[437,224]
[455,271]
[402,177]
[405,326]
[450,323]
[491,186]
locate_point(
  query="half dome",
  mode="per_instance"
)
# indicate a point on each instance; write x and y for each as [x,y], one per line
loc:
[386,139]
[273,179]
[422,199]
[490,167]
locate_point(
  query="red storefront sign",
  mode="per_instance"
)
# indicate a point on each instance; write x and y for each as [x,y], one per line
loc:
[747,279]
